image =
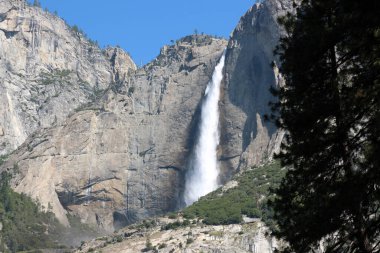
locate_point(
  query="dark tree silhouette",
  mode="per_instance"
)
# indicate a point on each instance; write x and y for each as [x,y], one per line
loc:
[330,108]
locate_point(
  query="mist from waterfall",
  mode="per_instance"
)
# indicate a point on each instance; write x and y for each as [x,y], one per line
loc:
[203,170]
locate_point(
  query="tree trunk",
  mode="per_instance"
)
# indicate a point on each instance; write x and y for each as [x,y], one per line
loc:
[362,236]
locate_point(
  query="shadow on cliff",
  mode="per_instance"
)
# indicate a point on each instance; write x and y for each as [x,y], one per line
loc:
[250,74]
[191,140]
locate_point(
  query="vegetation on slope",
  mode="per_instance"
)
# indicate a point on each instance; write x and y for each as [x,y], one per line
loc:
[24,226]
[248,198]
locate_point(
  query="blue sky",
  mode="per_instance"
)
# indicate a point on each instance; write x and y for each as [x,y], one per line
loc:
[142,27]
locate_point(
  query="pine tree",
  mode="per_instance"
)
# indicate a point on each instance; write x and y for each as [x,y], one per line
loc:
[36,3]
[330,108]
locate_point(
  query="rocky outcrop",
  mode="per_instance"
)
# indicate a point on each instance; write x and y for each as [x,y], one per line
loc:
[121,62]
[240,238]
[47,69]
[122,158]
[249,73]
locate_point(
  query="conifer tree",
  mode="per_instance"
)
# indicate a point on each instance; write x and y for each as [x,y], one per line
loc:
[36,3]
[330,109]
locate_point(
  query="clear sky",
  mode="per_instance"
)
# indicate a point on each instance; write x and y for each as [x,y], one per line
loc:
[142,27]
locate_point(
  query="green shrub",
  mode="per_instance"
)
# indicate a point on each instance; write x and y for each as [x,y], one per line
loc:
[148,223]
[248,198]
[172,216]
[188,215]
[131,90]
[148,245]
[119,238]
[162,245]
[218,234]
[175,225]
[3,158]
[56,76]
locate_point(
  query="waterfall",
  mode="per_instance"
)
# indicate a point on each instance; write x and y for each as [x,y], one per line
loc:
[203,171]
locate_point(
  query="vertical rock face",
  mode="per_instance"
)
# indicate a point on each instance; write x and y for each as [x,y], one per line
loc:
[121,62]
[47,69]
[122,158]
[249,73]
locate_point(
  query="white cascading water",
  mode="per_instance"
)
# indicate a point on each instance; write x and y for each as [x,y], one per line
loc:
[203,171]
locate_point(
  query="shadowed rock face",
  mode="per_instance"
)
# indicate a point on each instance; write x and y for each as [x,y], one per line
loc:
[249,73]
[122,158]
[47,69]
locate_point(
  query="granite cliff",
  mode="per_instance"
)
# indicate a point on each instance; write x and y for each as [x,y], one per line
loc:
[109,143]
[250,71]
[121,158]
[47,69]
